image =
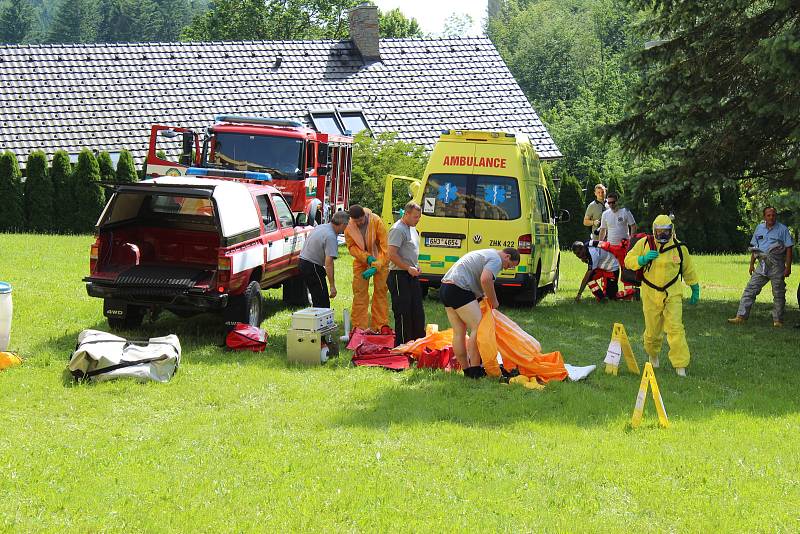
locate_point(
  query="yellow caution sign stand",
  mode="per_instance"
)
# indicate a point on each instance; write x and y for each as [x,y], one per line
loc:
[619,347]
[649,380]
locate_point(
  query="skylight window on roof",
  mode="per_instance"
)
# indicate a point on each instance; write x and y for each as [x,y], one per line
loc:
[327,122]
[354,121]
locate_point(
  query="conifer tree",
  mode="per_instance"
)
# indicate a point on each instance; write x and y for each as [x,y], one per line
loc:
[107,173]
[126,168]
[615,186]
[38,194]
[63,192]
[16,21]
[571,199]
[90,197]
[12,217]
[75,21]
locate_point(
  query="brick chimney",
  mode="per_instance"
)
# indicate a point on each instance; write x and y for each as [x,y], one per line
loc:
[364,31]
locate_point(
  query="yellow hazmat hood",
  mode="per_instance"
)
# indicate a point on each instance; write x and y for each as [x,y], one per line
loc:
[664,220]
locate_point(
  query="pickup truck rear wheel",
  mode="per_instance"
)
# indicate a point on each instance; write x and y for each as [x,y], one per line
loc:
[245,308]
[253,304]
[133,319]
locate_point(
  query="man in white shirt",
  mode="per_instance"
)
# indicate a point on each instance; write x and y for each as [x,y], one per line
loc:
[617,223]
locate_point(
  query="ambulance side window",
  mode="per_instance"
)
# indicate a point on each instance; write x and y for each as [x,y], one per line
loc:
[550,206]
[266,214]
[541,201]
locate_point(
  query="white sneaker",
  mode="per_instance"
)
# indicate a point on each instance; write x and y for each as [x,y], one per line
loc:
[654,361]
[681,371]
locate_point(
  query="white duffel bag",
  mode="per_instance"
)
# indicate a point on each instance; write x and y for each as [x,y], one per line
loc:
[101,356]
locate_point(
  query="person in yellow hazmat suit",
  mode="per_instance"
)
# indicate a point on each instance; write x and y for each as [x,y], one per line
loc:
[664,260]
[367,242]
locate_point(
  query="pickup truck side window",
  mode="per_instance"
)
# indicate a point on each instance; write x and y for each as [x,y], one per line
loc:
[284,213]
[266,214]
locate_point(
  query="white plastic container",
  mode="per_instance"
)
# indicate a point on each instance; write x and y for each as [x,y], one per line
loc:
[313,319]
[6,310]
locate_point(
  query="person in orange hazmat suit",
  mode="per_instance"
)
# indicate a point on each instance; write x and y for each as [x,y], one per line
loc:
[367,242]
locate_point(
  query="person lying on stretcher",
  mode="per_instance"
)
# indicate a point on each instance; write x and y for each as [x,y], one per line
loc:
[602,277]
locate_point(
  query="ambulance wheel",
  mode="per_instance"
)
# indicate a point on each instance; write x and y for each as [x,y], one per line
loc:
[532,296]
[133,319]
[557,277]
[424,292]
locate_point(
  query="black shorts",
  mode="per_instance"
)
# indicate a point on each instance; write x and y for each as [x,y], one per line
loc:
[454,297]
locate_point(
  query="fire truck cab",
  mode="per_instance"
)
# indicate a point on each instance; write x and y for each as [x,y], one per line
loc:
[311,169]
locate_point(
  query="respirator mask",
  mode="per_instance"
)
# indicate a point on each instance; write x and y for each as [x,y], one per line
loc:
[663,234]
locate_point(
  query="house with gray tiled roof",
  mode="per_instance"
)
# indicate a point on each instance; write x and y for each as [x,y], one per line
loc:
[106,96]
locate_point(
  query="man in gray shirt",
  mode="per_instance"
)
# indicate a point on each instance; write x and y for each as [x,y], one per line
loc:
[316,259]
[471,278]
[404,287]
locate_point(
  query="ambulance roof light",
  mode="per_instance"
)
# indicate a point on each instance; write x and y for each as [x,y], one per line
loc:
[458,132]
[511,135]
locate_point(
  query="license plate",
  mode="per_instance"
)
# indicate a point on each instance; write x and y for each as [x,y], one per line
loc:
[444,242]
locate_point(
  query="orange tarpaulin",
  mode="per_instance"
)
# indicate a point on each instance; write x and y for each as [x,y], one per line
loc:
[498,333]
[520,350]
[432,340]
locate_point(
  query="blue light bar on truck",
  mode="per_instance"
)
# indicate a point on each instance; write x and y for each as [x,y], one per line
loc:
[224,173]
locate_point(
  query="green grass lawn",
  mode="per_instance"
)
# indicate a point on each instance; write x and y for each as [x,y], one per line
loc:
[245,442]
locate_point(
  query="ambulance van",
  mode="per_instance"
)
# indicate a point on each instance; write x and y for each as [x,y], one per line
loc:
[485,189]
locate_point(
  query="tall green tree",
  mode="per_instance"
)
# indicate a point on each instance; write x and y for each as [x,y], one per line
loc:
[395,24]
[376,157]
[16,21]
[126,168]
[571,200]
[12,217]
[89,195]
[719,97]
[107,173]
[241,20]
[39,193]
[128,21]
[63,192]
[75,21]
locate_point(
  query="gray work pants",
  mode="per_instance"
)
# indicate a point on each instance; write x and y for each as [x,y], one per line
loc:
[767,271]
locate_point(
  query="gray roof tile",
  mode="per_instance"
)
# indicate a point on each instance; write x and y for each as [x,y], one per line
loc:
[106,96]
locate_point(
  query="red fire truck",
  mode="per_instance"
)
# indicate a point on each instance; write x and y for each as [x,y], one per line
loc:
[311,169]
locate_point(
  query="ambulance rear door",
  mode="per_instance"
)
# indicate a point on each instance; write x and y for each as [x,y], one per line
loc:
[446,204]
[496,218]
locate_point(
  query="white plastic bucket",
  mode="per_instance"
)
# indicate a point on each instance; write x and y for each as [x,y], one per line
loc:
[6,310]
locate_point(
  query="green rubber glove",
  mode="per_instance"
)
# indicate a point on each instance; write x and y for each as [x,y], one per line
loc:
[647,258]
[370,259]
[366,275]
[695,294]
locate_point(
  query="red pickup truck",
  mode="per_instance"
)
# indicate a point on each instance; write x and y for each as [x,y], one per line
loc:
[191,245]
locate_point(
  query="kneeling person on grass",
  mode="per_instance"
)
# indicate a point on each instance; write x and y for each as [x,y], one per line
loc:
[471,278]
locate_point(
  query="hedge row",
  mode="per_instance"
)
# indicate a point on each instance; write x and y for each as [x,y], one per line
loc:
[60,198]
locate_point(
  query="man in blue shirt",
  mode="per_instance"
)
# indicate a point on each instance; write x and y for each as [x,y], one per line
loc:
[772,245]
